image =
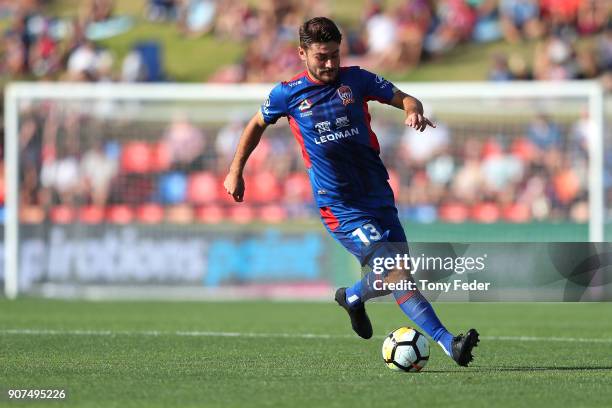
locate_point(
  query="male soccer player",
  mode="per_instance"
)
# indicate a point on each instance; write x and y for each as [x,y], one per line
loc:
[326,106]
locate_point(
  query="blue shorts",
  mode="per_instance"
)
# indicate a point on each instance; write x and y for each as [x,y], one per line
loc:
[366,232]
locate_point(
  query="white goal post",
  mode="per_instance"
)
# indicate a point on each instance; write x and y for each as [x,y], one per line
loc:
[499,97]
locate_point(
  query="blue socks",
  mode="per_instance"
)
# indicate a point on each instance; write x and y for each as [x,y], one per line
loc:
[413,304]
[364,290]
[419,310]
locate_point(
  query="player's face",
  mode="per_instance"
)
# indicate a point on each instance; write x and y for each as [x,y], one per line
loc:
[322,60]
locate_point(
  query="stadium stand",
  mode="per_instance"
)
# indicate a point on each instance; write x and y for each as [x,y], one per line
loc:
[174,175]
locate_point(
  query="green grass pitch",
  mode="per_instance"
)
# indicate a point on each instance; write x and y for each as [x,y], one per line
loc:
[252,354]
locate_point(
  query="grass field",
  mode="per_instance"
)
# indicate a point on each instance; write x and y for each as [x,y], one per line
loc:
[297,354]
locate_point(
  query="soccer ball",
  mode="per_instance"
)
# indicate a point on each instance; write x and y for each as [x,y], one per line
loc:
[405,349]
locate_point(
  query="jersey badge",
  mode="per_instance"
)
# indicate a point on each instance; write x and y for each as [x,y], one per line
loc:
[346,94]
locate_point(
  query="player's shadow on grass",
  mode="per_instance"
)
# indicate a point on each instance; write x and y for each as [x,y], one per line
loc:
[522,369]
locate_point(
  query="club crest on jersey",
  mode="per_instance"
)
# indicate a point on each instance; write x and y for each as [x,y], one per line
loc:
[346,94]
[305,105]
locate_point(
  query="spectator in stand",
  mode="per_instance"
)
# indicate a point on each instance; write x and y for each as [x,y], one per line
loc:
[225,143]
[45,57]
[133,68]
[284,159]
[506,69]
[468,179]
[579,134]
[500,171]
[104,67]
[413,19]
[14,56]
[500,71]
[487,27]
[60,176]
[236,20]
[455,22]
[560,15]
[270,57]
[196,17]
[554,60]
[519,69]
[95,11]
[520,19]
[440,170]
[30,146]
[567,183]
[604,49]
[382,40]
[75,38]
[587,66]
[466,185]
[97,172]
[544,133]
[534,195]
[418,149]
[18,41]
[592,16]
[185,144]
[161,10]
[82,63]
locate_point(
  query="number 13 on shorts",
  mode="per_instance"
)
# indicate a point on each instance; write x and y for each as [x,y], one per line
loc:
[367,234]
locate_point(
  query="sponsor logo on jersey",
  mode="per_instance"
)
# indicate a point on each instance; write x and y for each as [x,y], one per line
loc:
[305,105]
[323,127]
[266,106]
[342,121]
[295,83]
[382,81]
[346,94]
[336,136]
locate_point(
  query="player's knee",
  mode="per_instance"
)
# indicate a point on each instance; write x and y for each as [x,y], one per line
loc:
[396,275]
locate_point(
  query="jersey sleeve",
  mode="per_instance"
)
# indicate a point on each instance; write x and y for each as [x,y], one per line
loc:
[275,106]
[376,87]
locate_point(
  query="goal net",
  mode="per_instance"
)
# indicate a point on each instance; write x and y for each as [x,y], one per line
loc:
[115,190]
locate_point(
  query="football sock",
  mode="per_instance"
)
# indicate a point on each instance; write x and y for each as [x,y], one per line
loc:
[420,311]
[364,289]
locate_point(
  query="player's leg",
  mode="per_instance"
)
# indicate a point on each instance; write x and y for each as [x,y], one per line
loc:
[344,224]
[372,235]
[369,234]
[356,230]
[412,302]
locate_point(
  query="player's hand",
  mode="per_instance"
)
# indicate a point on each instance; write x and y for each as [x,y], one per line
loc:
[418,122]
[234,185]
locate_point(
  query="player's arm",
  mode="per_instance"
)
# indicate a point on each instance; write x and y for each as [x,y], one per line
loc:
[413,108]
[234,182]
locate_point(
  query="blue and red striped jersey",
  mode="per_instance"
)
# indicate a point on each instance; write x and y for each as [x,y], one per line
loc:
[331,123]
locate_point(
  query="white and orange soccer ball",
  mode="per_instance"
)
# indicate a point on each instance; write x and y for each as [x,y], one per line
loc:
[405,349]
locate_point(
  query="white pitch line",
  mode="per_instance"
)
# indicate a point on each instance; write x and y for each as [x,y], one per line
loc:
[562,339]
[155,333]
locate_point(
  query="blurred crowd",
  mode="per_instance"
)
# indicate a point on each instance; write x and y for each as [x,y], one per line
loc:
[392,36]
[397,38]
[557,58]
[39,45]
[77,168]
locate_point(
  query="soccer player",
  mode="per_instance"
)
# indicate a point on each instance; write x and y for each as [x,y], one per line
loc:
[326,106]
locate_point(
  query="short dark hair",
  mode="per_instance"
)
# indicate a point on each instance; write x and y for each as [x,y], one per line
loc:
[319,30]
